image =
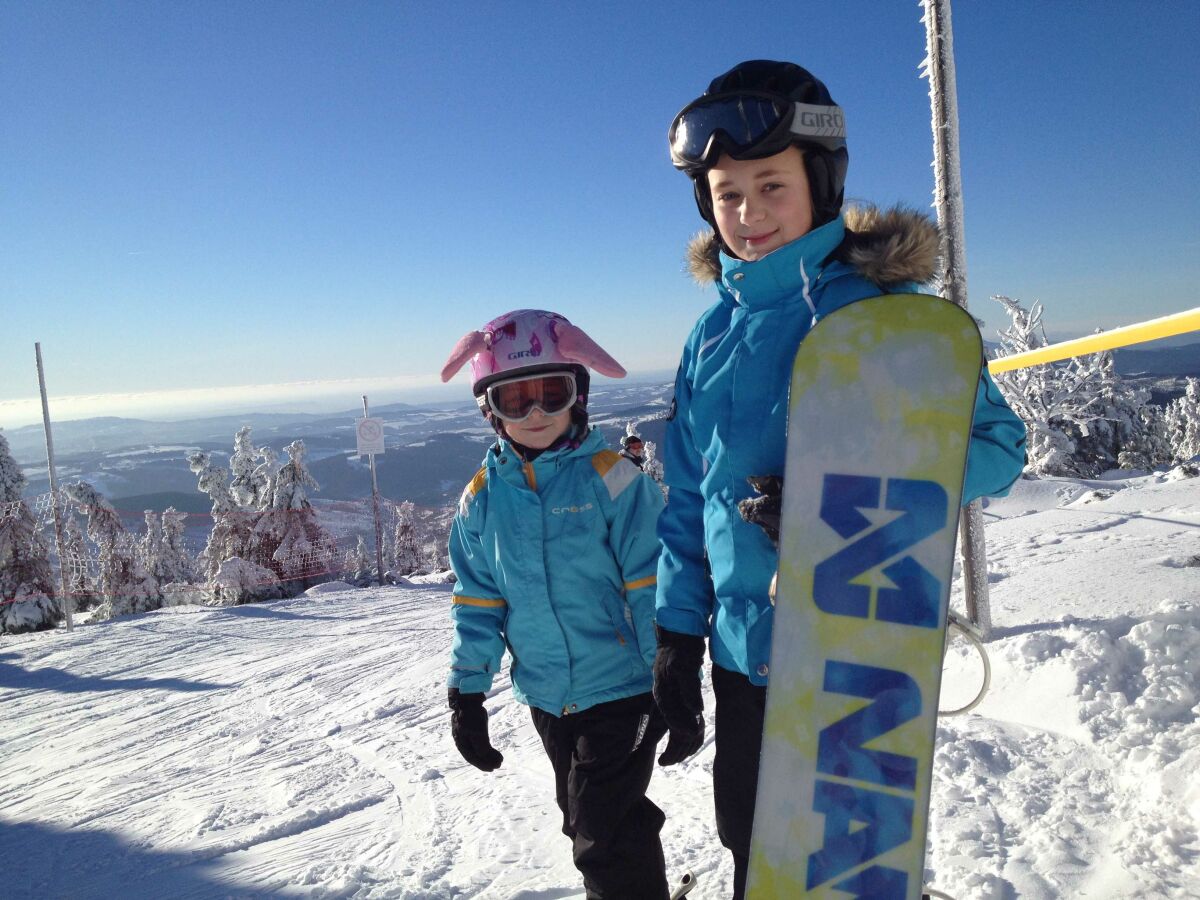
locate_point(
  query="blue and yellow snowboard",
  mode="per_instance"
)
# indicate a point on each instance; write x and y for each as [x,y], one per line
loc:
[882,398]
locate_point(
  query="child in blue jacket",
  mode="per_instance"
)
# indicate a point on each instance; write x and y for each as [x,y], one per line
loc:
[766,151]
[555,551]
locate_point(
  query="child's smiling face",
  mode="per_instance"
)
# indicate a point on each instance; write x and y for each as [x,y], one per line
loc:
[761,204]
[539,431]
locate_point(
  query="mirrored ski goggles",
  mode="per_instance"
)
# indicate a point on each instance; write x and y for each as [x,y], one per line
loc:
[515,399]
[749,125]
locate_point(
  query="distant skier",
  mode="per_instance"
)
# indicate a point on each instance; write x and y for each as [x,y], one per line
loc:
[766,152]
[632,449]
[555,553]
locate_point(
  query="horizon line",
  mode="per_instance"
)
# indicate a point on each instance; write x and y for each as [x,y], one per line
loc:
[319,395]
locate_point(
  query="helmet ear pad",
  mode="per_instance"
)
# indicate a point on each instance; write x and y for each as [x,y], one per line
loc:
[826,171]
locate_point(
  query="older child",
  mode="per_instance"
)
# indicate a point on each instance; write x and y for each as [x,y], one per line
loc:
[555,553]
[766,152]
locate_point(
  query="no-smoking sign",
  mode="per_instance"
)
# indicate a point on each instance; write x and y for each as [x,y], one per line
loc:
[370,436]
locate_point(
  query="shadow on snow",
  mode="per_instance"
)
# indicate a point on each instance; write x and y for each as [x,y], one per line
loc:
[44,860]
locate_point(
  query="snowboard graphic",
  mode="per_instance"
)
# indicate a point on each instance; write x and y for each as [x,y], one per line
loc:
[882,397]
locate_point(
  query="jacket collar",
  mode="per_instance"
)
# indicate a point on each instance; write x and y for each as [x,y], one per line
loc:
[885,246]
[508,464]
[780,275]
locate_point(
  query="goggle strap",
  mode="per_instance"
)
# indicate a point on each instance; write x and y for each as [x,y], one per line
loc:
[825,125]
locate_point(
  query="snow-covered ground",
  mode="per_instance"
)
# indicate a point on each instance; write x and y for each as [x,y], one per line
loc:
[302,747]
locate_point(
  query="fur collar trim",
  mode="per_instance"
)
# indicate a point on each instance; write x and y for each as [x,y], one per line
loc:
[885,246]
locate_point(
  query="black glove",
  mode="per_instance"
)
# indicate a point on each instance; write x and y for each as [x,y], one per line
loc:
[764,509]
[469,725]
[677,693]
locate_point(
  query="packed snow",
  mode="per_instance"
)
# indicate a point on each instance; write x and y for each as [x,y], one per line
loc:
[302,748]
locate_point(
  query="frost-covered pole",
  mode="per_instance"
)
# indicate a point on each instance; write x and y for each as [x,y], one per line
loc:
[68,601]
[375,507]
[948,199]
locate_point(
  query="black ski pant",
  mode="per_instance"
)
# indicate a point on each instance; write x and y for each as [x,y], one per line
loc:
[603,758]
[740,711]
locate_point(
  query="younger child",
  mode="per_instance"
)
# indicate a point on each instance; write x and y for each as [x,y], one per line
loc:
[555,553]
[766,150]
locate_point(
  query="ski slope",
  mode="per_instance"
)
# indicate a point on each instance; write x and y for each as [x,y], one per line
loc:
[301,748]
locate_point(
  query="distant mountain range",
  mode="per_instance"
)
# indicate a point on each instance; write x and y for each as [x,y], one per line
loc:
[1177,362]
[432,451]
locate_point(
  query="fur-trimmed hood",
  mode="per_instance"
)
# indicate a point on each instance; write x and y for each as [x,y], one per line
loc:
[886,246]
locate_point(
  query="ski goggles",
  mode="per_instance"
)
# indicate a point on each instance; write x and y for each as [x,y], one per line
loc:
[515,399]
[749,125]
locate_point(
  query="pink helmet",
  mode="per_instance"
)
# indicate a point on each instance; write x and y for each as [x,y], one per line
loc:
[525,341]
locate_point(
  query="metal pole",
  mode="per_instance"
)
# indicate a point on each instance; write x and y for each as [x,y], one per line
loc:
[68,601]
[943,98]
[375,507]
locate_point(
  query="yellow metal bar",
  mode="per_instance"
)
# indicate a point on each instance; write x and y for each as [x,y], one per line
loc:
[1178,323]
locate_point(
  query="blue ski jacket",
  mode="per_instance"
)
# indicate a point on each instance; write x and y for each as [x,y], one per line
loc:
[730,416]
[556,560]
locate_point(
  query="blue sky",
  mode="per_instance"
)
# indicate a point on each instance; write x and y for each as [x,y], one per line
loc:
[201,197]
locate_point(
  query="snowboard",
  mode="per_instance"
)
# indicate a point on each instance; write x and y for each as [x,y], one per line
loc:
[882,398]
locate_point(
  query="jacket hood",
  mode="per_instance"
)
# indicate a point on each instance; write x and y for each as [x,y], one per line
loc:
[885,246]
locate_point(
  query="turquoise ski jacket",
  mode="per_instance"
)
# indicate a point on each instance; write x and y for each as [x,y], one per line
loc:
[556,560]
[730,417]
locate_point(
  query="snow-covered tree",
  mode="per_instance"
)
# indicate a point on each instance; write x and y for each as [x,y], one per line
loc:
[150,543]
[241,581]
[249,484]
[358,563]
[1081,418]
[266,474]
[1127,431]
[76,560]
[288,534]
[124,584]
[437,556]
[1182,422]
[27,598]
[652,465]
[230,535]
[407,547]
[175,562]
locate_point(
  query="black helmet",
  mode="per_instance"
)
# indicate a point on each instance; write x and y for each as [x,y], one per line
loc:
[825,155]
[628,439]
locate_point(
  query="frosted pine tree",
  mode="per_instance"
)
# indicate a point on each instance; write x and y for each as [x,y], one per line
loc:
[266,474]
[653,465]
[1050,399]
[150,543]
[1127,431]
[1081,417]
[437,556]
[123,583]
[1182,422]
[230,535]
[175,562]
[27,598]
[76,560]
[249,484]
[407,546]
[358,563]
[288,533]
